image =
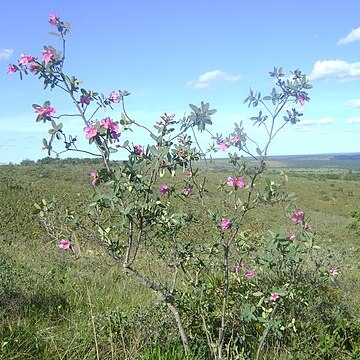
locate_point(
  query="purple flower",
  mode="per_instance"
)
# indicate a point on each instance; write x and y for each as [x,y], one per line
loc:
[187,191]
[164,189]
[85,99]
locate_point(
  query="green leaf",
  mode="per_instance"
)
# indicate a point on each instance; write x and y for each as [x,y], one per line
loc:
[195,109]
[54,34]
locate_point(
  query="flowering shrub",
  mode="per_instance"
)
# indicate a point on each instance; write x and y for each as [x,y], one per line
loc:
[226,301]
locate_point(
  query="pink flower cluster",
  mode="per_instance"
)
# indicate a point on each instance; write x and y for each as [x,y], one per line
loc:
[236,182]
[48,54]
[111,126]
[298,216]
[26,59]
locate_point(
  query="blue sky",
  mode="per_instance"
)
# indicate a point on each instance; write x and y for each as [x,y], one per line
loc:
[169,53]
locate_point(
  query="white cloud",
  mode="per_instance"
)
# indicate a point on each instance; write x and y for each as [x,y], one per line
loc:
[207,79]
[6,53]
[353,35]
[322,121]
[354,103]
[353,120]
[335,69]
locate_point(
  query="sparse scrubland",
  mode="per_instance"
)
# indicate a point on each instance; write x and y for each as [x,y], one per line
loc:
[63,305]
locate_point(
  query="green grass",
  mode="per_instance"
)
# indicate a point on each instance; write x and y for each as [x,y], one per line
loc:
[57,305]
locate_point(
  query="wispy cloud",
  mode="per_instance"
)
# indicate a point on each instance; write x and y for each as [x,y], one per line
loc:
[321,121]
[207,79]
[353,35]
[353,120]
[335,69]
[6,53]
[354,103]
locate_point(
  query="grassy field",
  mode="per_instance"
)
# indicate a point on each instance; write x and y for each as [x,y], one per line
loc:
[55,305]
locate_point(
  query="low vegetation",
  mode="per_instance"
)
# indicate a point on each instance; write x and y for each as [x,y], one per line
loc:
[58,304]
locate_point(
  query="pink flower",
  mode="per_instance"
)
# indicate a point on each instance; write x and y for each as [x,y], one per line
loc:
[65,245]
[26,59]
[236,182]
[222,146]
[164,189]
[274,296]
[234,139]
[291,237]
[190,173]
[138,149]
[11,69]
[250,273]
[333,272]
[187,191]
[45,112]
[53,19]
[225,224]
[91,131]
[298,216]
[47,55]
[114,97]
[107,123]
[302,98]
[309,227]
[95,178]
[115,136]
